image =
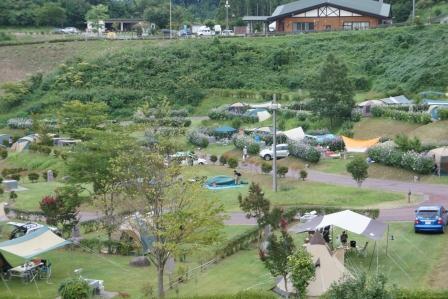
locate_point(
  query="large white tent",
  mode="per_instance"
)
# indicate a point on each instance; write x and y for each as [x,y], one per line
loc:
[347,220]
[296,134]
[33,244]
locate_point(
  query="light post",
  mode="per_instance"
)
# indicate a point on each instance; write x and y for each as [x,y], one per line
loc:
[227,6]
[413,11]
[274,108]
[171,33]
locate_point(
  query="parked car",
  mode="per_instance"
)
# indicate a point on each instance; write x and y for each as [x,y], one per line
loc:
[268,153]
[70,30]
[228,32]
[22,229]
[430,219]
[205,31]
[184,33]
[184,158]
[57,31]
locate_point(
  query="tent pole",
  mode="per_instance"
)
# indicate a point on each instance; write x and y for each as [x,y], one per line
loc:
[387,240]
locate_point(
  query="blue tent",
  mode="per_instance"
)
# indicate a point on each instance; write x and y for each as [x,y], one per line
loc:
[225,130]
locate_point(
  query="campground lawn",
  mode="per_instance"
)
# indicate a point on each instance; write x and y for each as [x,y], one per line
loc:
[293,192]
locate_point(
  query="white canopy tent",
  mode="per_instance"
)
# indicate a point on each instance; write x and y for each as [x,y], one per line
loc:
[347,220]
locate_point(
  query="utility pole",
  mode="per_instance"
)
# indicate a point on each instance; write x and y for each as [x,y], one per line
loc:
[413,11]
[227,6]
[171,33]
[274,143]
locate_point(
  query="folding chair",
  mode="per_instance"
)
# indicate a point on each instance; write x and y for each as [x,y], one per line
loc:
[45,270]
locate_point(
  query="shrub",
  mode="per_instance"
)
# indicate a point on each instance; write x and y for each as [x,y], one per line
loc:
[222,160]
[15,176]
[303,174]
[304,151]
[282,171]
[3,153]
[13,196]
[1,191]
[253,148]
[443,113]
[266,167]
[45,174]
[394,113]
[232,162]
[33,177]
[213,158]
[20,123]
[197,138]
[74,288]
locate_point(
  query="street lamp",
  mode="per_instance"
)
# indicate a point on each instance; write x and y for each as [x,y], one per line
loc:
[274,107]
[171,33]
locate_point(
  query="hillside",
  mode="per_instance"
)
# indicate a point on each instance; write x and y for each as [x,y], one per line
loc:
[387,61]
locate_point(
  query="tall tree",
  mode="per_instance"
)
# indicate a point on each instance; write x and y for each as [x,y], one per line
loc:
[91,162]
[302,270]
[75,117]
[175,214]
[96,14]
[278,252]
[255,205]
[358,168]
[50,14]
[332,91]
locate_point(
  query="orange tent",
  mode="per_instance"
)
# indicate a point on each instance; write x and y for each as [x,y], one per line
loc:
[358,145]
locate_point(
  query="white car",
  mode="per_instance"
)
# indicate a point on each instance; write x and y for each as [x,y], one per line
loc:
[183,158]
[22,229]
[70,30]
[228,32]
[268,153]
[205,31]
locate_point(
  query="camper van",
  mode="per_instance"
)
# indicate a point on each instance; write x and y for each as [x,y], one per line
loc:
[22,229]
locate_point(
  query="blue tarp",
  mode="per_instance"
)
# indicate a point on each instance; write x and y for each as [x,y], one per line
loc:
[225,130]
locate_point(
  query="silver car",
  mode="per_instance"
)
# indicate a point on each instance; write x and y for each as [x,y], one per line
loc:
[282,152]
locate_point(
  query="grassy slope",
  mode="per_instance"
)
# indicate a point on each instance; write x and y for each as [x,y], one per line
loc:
[435,133]
[247,63]
[376,127]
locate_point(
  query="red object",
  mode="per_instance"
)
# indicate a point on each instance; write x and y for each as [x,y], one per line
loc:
[439,221]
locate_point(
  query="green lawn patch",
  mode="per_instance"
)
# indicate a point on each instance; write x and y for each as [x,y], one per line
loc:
[433,133]
[294,192]
[35,162]
[29,200]
[381,127]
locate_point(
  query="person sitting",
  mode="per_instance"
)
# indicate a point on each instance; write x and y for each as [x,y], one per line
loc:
[237,177]
[344,238]
[326,234]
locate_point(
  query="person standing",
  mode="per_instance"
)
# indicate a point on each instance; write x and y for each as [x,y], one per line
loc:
[237,177]
[244,153]
[10,141]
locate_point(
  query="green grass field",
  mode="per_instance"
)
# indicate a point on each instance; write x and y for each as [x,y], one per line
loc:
[294,192]
[114,270]
[377,127]
[34,162]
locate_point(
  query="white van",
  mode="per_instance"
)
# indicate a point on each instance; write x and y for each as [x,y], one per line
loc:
[204,31]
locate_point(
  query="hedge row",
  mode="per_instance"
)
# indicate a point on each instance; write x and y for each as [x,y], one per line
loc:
[222,114]
[413,117]
[389,155]
[166,121]
[240,142]
[197,138]
[304,151]
[97,245]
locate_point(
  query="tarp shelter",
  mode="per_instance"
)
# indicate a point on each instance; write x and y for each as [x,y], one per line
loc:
[296,134]
[397,100]
[329,270]
[237,108]
[322,138]
[260,113]
[440,156]
[33,244]
[224,131]
[347,220]
[23,143]
[358,145]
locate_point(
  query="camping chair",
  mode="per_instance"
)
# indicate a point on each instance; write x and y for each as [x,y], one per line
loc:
[362,251]
[45,270]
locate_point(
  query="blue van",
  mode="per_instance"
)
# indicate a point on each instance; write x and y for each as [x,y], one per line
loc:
[430,219]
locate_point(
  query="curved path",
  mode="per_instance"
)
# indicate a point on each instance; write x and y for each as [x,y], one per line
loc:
[433,193]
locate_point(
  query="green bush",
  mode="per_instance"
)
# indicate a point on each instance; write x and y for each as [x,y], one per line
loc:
[33,177]
[1,191]
[3,153]
[74,288]
[222,160]
[397,114]
[253,148]
[213,158]
[282,171]
[443,113]
[266,167]
[197,138]
[232,162]
[303,174]
[304,151]
[15,176]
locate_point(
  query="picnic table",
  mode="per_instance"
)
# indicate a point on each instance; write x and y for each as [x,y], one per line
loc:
[27,272]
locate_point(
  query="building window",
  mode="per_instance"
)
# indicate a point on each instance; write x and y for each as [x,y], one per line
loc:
[356,25]
[303,26]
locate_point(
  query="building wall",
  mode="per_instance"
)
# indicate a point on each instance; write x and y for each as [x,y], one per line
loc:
[321,23]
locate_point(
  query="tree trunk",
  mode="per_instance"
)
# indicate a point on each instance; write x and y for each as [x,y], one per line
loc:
[160,290]
[285,278]
[109,243]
